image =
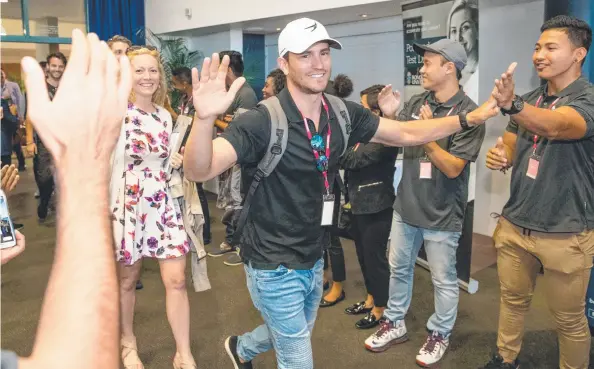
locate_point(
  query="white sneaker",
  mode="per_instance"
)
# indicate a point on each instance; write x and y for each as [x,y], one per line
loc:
[433,350]
[389,333]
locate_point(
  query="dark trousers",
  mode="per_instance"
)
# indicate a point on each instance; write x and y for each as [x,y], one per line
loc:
[336,256]
[17,148]
[204,202]
[6,160]
[230,219]
[371,233]
[42,168]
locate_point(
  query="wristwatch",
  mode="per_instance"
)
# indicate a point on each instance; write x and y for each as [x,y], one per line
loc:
[516,107]
[463,120]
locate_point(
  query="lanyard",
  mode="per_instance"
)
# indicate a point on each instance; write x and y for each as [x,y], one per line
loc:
[551,107]
[315,152]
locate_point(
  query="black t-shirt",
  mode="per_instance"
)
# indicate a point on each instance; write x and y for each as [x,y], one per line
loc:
[283,225]
[438,203]
[561,197]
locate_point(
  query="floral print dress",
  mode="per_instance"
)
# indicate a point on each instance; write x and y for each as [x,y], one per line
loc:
[147,221]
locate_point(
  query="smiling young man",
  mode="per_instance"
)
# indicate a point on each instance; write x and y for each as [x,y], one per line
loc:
[430,205]
[549,218]
[285,231]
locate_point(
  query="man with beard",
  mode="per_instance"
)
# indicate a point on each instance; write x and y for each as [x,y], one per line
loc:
[42,161]
[290,218]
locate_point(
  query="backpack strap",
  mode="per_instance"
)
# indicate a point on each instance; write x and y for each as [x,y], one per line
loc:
[344,120]
[279,135]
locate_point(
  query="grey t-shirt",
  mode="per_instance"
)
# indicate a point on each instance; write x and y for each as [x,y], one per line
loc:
[561,197]
[8,360]
[438,203]
[245,99]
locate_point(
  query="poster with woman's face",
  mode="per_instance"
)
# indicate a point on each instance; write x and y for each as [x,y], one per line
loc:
[463,27]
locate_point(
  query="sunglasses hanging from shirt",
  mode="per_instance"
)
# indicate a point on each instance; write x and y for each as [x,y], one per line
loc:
[321,152]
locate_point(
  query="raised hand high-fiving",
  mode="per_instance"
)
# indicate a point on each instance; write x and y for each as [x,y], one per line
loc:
[83,121]
[389,101]
[210,95]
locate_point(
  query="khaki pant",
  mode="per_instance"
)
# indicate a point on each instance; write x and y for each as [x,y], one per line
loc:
[567,260]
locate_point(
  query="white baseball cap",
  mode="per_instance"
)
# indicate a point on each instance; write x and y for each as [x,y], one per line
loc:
[300,34]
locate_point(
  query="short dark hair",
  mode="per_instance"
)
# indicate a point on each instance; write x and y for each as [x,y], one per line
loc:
[43,64]
[184,74]
[458,71]
[343,86]
[279,79]
[578,31]
[58,55]
[235,61]
[372,93]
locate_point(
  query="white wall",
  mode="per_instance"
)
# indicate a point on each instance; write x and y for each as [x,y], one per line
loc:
[214,42]
[372,52]
[508,32]
[169,16]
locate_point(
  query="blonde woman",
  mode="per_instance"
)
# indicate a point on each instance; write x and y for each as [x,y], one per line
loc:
[146,220]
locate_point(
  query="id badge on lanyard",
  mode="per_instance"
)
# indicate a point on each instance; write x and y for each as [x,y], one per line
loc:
[534,160]
[322,163]
[425,165]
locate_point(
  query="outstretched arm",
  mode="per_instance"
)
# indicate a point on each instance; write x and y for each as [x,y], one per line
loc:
[79,323]
[564,123]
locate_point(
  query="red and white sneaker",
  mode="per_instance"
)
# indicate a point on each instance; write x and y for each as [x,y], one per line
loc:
[433,350]
[389,333]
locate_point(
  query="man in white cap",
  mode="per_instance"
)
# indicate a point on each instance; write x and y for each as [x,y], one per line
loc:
[287,228]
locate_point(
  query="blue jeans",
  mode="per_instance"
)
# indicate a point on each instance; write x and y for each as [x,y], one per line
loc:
[440,246]
[288,300]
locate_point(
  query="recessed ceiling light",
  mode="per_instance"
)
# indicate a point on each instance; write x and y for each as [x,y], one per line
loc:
[363,15]
[278,29]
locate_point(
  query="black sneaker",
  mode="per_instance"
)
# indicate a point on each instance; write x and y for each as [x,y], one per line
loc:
[497,363]
[234,259]
[139,285]
[231,348]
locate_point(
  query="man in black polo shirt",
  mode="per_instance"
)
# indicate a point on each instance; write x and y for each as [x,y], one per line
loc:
[287,228]
[549,218]
[430,203]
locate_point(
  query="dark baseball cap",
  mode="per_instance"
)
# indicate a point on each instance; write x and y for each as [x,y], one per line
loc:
[451,50]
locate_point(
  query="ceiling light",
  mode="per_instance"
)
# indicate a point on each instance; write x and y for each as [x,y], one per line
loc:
[278,29]
[363,15]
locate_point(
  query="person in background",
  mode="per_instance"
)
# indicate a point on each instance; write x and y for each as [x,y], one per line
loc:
[548,221]
[79,330]
[146,219]
[430,204]
[244,100]
[182,81]
[275,82]
[43,166]
[119,45]
[371,193]
[17,106]
[342,86]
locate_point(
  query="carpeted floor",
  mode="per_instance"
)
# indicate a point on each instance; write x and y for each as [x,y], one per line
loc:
[227,309]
